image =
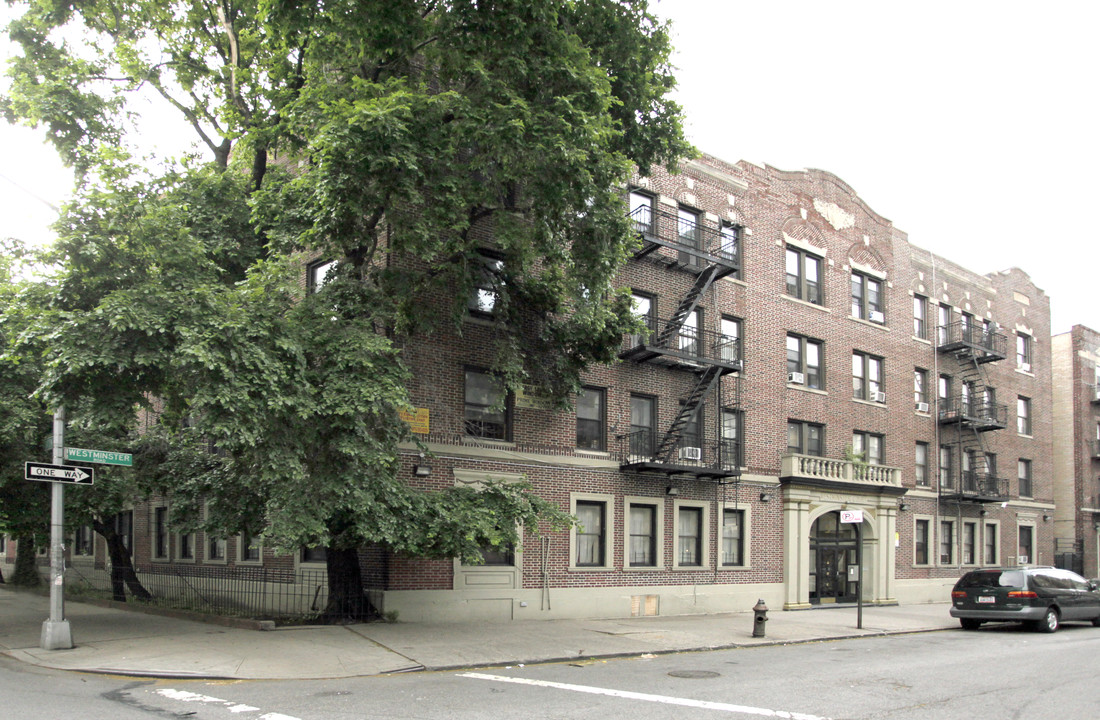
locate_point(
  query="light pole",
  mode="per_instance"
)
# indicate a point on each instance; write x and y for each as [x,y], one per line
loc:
[56,634]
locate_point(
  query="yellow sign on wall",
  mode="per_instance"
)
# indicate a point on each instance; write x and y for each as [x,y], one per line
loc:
[419,421]
[529,397]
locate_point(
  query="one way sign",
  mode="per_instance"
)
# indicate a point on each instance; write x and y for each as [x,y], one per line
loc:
[59,473]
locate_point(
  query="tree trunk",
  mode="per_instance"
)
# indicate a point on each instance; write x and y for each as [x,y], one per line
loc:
[346,600]
[26,567]
[122,568]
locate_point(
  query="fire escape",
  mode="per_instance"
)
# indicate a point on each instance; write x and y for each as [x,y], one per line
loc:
[686,447]
[971,410]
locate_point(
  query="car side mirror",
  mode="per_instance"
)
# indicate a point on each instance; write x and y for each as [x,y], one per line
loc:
[1093,586]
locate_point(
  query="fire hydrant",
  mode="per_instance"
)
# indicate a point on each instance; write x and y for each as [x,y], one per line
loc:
[760,616]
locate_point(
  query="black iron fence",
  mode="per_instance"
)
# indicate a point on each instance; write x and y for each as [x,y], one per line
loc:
[253,592]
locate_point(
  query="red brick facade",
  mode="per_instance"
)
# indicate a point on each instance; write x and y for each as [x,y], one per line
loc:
[784,500]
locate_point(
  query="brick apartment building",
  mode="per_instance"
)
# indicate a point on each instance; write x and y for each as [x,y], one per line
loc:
[802,358]
[1076,372]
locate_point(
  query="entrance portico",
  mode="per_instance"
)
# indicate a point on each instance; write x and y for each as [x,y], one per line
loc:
[818,549]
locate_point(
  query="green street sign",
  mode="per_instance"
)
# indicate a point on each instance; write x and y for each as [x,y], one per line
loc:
[104,457]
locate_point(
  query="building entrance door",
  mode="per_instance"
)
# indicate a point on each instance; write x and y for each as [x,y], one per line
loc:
[832,551]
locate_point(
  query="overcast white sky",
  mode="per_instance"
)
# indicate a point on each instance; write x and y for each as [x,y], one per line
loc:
[972,125]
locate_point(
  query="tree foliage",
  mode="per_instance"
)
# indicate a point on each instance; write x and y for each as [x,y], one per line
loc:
[401,138]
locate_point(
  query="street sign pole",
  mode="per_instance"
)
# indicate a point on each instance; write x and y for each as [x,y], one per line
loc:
[855,517]
[859,576]
[56,634]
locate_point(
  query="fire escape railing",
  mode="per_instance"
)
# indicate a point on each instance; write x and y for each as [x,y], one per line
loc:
[985,344]
[705,244]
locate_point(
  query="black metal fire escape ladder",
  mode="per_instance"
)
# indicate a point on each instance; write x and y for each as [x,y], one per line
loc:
[971,439]
[704,384]
[689,303]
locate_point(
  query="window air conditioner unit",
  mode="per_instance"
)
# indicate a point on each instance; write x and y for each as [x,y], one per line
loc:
[1021,560]
[796,378]
[877,316]
[1026,367]
[879,397]
[922,407]
[691,453]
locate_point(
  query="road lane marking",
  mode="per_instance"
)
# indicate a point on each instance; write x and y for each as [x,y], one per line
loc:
[185,696]
[686,702]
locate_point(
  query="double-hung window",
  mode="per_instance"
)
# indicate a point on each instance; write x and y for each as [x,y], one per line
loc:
[591,533]
[969,543]
[124,526]
[641,213]
[487,413]
[921,464]
[733,543]
[989,542]
[920,542]
[317,274]
[485,294]
[943,319]
[689,333]
[805,362]
[729,348]
[644,308]
[947,467]
[920,317]
[643,415]
[868,446]
[805,438]
[804,276]
[591,425]
[643,536]
[867,298]
[920,389]
[731,439]
[1023,473]
[689,531]
[947,542]
[729,237]
[1023,415]
[84,542]
[1023,351]
[867,377]
[160,533]
[1027,545]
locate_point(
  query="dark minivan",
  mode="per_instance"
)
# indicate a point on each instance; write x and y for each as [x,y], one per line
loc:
[1042,597]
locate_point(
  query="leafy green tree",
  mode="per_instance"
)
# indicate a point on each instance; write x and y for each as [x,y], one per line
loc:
[399,138]
[24,420]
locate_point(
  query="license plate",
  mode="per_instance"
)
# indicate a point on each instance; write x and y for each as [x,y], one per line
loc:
[986,599]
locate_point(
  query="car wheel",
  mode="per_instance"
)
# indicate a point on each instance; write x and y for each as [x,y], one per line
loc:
[1049,623]
[1096,621]
[972,624]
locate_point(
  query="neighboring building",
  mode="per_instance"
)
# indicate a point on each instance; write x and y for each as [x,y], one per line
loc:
[1076,371]
[801,359]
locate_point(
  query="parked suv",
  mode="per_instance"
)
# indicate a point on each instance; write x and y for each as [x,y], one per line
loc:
[1042,597]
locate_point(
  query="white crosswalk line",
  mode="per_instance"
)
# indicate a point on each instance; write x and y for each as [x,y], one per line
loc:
[686,702]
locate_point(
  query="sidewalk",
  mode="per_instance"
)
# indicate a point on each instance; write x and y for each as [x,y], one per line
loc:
[135,643]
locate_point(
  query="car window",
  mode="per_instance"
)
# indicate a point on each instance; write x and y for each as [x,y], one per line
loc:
[1047,582]
[1072,580]
[992,578]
